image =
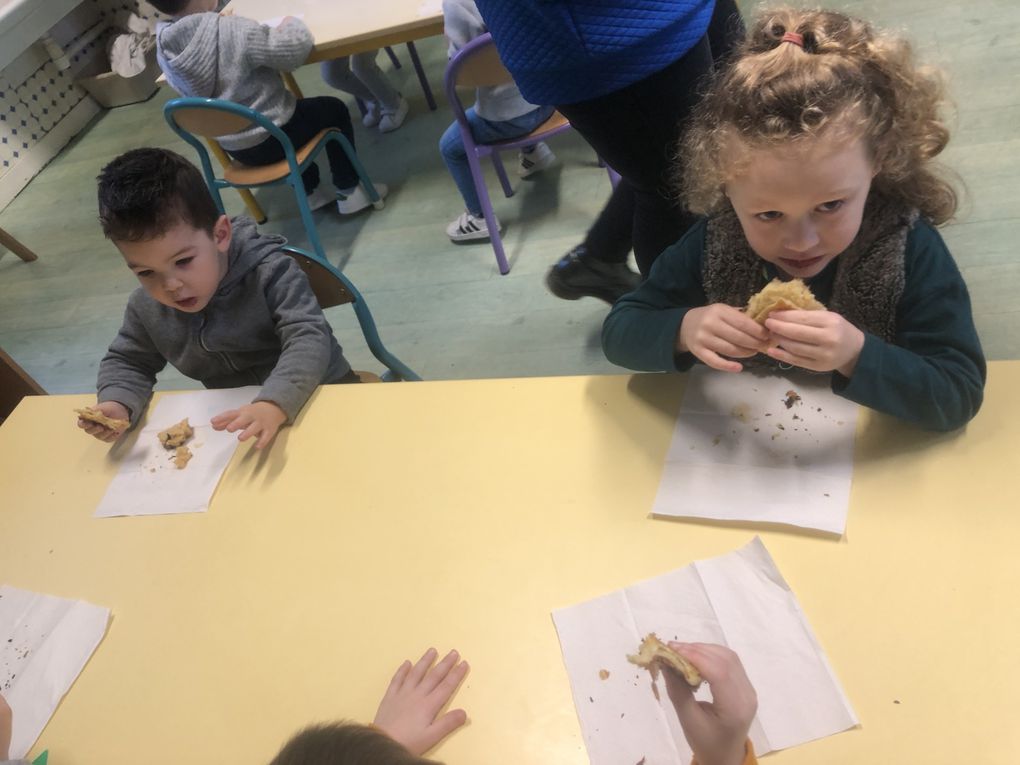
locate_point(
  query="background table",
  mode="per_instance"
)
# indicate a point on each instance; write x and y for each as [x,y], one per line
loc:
[459,514]
[344,28]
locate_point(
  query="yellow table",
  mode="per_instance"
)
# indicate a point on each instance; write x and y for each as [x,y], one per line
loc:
[345,28]
[460,514]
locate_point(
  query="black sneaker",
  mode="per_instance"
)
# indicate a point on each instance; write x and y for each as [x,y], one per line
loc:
[576,276]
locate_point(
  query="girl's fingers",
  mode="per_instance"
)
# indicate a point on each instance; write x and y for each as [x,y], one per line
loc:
[422,666]
[714,360]
[438,673]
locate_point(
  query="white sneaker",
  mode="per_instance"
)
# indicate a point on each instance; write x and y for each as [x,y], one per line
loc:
[468,228]
[323,195]
[373,113]
[529,163]
[358,200]
[390,121]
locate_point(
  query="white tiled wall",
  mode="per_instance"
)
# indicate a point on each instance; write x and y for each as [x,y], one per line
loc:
[35,95]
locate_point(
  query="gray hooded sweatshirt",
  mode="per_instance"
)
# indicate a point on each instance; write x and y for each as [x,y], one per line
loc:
[262,327]
[236,59]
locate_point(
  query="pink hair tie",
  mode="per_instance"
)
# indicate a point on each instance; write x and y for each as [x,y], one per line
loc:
[795,38]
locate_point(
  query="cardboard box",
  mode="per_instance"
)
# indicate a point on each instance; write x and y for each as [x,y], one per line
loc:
[112,90]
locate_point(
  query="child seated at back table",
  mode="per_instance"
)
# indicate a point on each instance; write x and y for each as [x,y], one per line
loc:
[228,57]
[500,113]
[812,156]
[218,300]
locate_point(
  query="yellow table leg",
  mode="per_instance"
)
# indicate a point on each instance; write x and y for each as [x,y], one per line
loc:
[16,247]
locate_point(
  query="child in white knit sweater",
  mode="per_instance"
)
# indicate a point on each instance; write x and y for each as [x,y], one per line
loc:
[205,54]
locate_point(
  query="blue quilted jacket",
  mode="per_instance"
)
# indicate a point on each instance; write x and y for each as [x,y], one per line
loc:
[564,51]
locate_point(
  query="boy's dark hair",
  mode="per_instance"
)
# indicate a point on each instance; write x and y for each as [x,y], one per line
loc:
[345,743]
[146,192]
[169,7]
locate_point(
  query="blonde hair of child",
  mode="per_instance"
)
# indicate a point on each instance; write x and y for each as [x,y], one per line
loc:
[848,81]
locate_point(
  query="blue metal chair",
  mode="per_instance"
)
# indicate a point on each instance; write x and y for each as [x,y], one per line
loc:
[332,288]
[210,118]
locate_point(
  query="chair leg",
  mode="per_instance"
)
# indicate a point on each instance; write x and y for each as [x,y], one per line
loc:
[487,213]
[377,202]
[16,247]
[246,196]
[291,83]
[393,57]
[306,215]
[421,76]
[497,163]
[396,370]
[614,177]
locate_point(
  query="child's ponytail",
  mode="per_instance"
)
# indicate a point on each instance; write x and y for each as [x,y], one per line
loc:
[801,73]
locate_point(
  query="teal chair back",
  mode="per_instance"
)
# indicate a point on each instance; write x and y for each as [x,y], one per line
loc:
[332,288]
[210,118]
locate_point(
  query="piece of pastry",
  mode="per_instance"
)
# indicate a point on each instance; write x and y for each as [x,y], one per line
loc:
[92,414]
[181,457]
[654,654]
[781,296]
[176,435]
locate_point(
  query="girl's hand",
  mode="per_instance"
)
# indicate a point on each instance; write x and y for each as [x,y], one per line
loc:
[822,341]
[719,330]
[716,730]
[262,419]
[409,712]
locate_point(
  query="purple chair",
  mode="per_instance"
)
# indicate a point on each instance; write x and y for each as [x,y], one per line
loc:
[477,65]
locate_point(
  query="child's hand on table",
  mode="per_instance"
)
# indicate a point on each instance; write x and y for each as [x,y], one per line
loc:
[408,712]
[822,341]
[714,331]
[113,410]
[262,419]
[6,728]
[716,731]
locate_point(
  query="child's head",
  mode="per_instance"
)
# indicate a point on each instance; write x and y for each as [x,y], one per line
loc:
[345,744]
[814,109]
[155,207]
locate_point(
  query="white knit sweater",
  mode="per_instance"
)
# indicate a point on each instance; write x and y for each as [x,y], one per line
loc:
[234,59]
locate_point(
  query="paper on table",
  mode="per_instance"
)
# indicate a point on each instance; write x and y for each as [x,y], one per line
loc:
[277,20]
[740,453]
[739,600]
[44,644]
[149,484]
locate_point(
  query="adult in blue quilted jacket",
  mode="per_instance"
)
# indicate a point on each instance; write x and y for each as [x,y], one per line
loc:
[625,73]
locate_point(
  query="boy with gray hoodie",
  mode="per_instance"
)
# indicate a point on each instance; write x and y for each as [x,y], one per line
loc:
[207,55]
[219,301]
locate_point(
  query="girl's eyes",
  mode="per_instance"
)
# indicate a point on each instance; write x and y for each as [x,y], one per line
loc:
[185,261]
[143,274]
[825,207]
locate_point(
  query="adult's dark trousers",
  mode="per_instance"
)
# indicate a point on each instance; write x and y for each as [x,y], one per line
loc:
[636,130]
[310,116]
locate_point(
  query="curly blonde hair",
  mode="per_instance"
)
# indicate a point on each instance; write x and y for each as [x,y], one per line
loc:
[848,81]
